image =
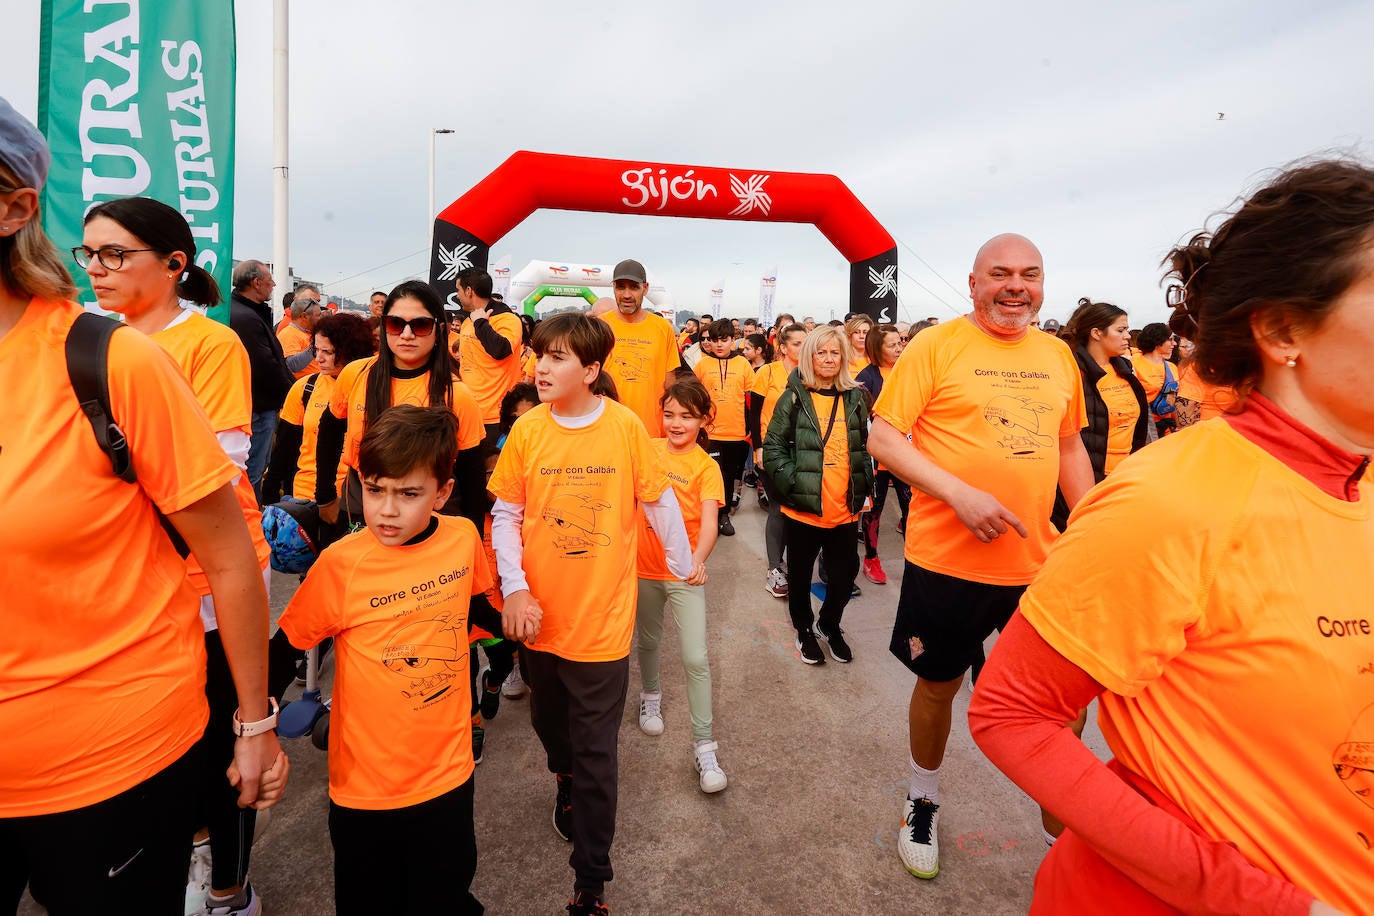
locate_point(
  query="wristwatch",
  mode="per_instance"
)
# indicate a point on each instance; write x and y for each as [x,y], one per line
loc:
[249,729]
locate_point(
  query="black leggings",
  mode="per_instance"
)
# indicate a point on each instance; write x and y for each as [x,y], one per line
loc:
[501,661]
[730,456]
[868,521]
[127,854]
[839,546]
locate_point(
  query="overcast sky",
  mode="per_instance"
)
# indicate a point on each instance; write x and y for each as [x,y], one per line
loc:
[1092,128]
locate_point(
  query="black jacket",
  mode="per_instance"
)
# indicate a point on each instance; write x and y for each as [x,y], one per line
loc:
[1094,435]
[252,321]
[497,347]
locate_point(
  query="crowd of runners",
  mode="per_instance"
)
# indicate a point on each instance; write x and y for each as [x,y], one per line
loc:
[1173,521]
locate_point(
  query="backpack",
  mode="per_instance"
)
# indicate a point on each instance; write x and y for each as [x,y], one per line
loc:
[1166,402]
[88,368]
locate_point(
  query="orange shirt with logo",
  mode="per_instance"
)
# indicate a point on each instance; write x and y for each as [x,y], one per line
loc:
[581,490]
[695,478]
[294,340]
[835,470]
[307,417]
[349,402]
[400,731]
[486,377]
[727,381]
[992,413]
[1123,410]
[769,383]
[1236,650]
[1151,374]
[102,661]
[216,364]
[645,352]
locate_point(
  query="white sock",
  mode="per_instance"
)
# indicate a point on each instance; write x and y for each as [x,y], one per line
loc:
[923,783]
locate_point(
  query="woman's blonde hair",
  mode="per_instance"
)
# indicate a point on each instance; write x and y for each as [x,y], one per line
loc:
[806,360]
[29,262]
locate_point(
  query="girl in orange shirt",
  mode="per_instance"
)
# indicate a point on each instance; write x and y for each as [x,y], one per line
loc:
[856,333]
[697,481]
[884,345]
[1157,373]
[769,384]
[103,823]
[1227,648]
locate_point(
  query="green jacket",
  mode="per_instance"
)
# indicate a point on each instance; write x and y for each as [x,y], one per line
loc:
[793,454]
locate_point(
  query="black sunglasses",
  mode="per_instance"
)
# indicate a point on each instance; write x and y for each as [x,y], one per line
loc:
[396,325]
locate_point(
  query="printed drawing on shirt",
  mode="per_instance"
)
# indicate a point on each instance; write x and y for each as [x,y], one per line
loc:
[429,654]
[628,367]
[573,517]
[1018,418]
[1354,758]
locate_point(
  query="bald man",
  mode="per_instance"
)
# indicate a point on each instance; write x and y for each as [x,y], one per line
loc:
[993,409]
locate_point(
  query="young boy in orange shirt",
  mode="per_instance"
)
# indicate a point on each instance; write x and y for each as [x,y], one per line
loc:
[568,486]
[728,377]
[396,598]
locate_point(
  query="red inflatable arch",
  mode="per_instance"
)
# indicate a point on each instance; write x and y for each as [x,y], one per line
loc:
[467,228]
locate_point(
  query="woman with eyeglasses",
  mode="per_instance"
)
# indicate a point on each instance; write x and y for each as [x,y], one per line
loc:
[1158,374]
[1228,646]
[155,251]
[413,365]
[103,655]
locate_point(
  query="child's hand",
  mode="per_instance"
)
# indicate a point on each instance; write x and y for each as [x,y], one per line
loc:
[698,576]
[520,616]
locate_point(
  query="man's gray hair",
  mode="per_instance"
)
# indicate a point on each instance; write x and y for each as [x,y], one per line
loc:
[245,272]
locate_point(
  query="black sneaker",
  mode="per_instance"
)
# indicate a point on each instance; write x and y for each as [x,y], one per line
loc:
[749,480]
[839,649]
[491,696]
[763,500]
[562,807]
[727,528]
[588,904]
[479,738]
[811,653]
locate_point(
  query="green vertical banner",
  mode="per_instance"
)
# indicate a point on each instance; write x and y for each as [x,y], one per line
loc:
[137,100]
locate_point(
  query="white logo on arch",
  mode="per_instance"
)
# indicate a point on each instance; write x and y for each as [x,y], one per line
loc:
[455,260]
[884,283]
[751,195]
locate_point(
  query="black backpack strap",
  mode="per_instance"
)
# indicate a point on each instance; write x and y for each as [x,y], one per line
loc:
[309,389]
[88,367]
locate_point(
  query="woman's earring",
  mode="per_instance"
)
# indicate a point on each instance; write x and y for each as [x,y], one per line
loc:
[1292,362]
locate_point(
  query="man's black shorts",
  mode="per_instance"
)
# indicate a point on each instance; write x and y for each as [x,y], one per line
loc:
[942,621]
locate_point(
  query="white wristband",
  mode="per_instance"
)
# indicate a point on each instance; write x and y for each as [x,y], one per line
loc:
[249,729]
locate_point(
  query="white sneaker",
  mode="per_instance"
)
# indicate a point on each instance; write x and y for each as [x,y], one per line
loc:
[251,907]
[918,841]
[651,713]
[712,776]
[198,879]
[514,688]
[775,583]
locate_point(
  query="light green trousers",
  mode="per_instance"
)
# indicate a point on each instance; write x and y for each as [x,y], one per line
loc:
[688,603]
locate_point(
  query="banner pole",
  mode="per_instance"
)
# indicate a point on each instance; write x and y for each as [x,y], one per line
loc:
[281,263]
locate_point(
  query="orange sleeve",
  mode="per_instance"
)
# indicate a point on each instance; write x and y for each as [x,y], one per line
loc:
[508,479]
[315,610]
[471,432]
[344,384]
[671,358]
[293,411]
[650,478]
[1076,416]
[909,389]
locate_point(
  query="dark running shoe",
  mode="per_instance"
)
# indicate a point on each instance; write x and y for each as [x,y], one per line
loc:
[479,739]
[562,807]
[587,904]
[811,653]
[490,704]
[839,649]
[727,528]
[749,480]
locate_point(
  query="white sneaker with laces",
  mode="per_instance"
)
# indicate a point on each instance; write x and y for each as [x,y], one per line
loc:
[918,841]
[712,776]
[775,583]
[514,688]
[251,907]
[651,713]
[198,879]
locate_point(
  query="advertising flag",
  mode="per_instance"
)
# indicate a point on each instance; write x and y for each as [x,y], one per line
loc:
[717,299]
[500,278]
[768,288]
[137,100]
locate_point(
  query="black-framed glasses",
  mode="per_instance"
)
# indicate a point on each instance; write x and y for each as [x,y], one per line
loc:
[110,256]
[421,327]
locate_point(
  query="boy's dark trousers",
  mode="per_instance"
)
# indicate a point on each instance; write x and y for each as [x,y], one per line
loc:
[411,861]
[576,708]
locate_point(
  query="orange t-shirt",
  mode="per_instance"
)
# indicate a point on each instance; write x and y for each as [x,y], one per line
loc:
[527,364]
[835,470]
[581,490]
[400,732]
[769,383]
[992,413]
[695,478]
[1151,374]
[728,381]
[860,364]
[294,340]
[645,352]
[1123,410]
[1234,646]
[102,661]
[489,379]
[307,417]
[349,402]
[216,364]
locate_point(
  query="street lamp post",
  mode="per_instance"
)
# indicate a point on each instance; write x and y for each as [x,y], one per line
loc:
[429,213]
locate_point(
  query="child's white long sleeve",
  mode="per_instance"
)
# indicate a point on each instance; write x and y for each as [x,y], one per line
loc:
[665,515]
[509,545]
